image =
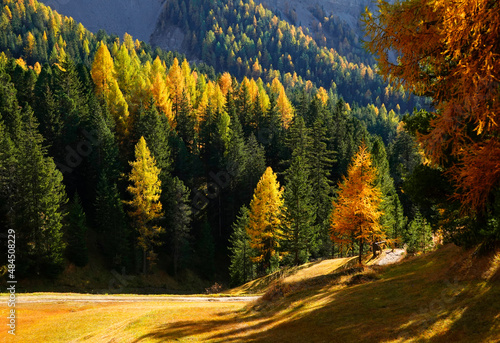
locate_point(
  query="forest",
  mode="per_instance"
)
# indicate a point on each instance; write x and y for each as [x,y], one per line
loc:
[273,151]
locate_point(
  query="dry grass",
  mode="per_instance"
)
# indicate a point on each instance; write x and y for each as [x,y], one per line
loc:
[445,296]
[291,275]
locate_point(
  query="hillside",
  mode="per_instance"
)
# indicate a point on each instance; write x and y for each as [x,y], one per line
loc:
[139,18]
[135,17]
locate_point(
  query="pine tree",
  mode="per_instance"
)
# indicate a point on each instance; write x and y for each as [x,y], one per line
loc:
[265,220]
[356,212]
[111,222]
[254,167]
[418,235]
[241,268]
[321,160]
[145,204]
[38,204]
[206,250]
[180,220]
[298,231]
[392,220]
[76,234]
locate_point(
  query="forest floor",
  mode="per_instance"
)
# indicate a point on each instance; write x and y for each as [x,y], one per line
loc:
[449,295]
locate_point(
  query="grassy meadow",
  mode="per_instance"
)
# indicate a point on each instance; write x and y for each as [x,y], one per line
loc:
[443,296]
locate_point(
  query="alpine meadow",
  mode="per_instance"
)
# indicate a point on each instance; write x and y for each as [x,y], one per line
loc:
[250,171]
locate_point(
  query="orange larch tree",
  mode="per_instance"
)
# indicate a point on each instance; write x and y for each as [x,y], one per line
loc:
[449,50]
[356,211]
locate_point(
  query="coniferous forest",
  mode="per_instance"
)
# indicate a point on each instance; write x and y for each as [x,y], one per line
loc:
[261,147]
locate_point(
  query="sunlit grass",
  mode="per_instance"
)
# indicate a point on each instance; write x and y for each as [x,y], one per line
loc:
[432,298]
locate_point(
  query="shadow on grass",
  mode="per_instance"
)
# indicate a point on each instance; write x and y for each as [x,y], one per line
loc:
[415,300]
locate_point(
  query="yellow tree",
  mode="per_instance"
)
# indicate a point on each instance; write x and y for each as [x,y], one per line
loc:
[146,206]
[103,70]
[159,90]
[448,50]
[30,45]
[284,106]
[356,211]
[175,82]
[264,219]
[118,108]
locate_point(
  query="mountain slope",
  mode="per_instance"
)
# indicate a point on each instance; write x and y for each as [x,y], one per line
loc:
[135,17]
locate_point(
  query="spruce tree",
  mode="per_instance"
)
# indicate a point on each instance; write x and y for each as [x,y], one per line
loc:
[180,220]
[38,204]
[111,223]
[76,233]
[298,229]
[392,219]
[321,160]
[241,268]
[299,213]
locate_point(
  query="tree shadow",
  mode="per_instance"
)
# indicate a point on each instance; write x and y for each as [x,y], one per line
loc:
[417,300]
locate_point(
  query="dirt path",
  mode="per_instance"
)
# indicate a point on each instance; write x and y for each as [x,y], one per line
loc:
[390,256]
[54,298]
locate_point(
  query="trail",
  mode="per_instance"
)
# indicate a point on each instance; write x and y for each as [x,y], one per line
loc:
[89,298]
[390,256]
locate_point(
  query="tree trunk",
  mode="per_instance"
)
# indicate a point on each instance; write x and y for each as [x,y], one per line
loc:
[144,261]
[360,251]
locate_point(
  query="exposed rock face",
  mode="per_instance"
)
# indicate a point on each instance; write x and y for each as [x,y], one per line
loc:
[136,17]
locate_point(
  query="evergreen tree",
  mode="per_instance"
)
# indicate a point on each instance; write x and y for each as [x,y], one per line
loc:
[76,233]
[298,231]
[321,160]
[392,219]
[242,268]
[418,237]
[111,223]
[38,202]
[206,250]
[180,220]
[254,167]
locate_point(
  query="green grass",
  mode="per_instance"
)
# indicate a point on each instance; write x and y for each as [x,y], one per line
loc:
[449,295]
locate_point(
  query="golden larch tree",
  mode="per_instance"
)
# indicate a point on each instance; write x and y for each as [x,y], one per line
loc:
[103,70]
[449,50]
[264,219]
[145,190]
[356,211]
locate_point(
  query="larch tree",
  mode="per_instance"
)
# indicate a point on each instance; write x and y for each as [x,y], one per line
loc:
[103,70]
[356,211]
[146,207]
[265,219]
[448,50]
